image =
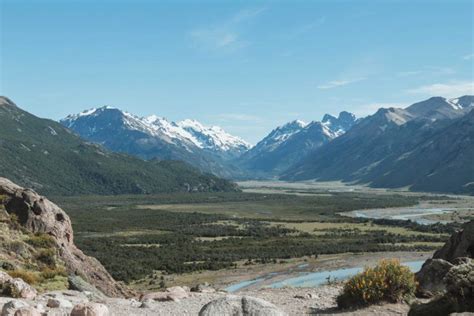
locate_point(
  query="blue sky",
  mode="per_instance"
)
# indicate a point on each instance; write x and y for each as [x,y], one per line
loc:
[246,66]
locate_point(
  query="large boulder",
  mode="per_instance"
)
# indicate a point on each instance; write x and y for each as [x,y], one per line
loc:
[175,294]
[459,296]
[18,288]
[90,309]
[203,288]
[39,215]
[240,306]
[460,284]
[431,277]
[457,250]
[460,244]
[11,307]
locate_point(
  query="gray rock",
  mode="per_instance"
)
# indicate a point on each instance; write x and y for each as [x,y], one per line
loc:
[147,303]
[459,297]
[232,305]
[460,244]
[90,309]
[175,294]
[27,311]
[59,303]
[79,284]
[11,307]
[431,277]
[203,288]
[460,281]
[18,288]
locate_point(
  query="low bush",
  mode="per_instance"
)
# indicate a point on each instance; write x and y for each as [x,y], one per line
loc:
[51,273]
[388,281]
[47,257]
[27,276]
[41,240]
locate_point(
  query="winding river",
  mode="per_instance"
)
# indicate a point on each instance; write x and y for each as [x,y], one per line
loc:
[312,279]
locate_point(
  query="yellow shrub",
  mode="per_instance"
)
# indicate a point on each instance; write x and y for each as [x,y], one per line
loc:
[51,273]
[388,281]
[27,276]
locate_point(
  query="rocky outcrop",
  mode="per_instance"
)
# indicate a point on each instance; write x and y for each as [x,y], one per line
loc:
[175,294]
[460,244]
[450,276]
[431,277]
[240,305]
[459,296]
[457,250]
[39,215]
[203,288]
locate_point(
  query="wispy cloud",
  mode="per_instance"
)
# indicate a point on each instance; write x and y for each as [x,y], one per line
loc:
[468,57]
[339,83]
[451,89]
[226,35]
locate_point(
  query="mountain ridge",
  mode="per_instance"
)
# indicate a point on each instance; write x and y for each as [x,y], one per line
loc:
[432,135]
[292,142]
[46,156]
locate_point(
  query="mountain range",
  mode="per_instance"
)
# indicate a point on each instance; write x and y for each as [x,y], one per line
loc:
[44,155]
[153,137]
[289,144]
[208,148]
[428,146]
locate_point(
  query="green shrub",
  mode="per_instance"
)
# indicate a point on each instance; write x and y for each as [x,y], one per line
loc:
[47,257]
[19,248]
[388,281]
[41,240]
[51,273]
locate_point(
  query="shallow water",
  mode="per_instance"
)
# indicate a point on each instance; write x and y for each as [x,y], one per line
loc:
[320,278]
[313,279]
[413,214]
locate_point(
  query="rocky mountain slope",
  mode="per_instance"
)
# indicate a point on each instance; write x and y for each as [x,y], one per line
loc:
[426,147]
[46,156]
[291,143]
[208,148]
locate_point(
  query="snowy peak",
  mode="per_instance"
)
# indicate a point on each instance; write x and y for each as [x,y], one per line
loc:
[341,124]
[188,133]
[214,137]
[463,102]
[282,133]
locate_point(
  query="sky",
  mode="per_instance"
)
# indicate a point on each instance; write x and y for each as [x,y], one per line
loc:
[247,66]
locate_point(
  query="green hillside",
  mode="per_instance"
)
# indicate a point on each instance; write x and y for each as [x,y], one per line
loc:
[46,156]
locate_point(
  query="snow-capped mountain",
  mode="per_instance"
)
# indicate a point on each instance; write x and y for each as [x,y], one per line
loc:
[289,143]
[187,133]
[214,138]
[155,137]
[339,125]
